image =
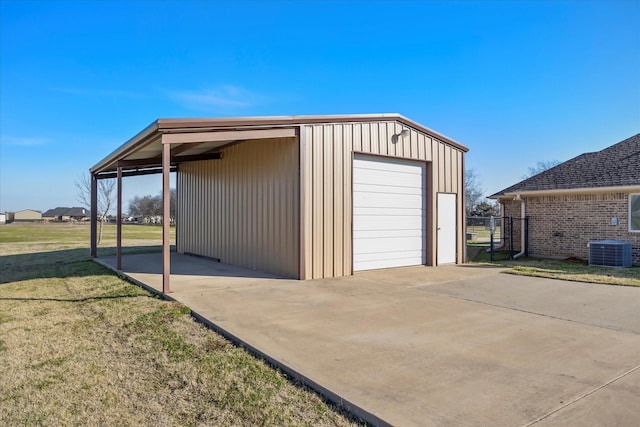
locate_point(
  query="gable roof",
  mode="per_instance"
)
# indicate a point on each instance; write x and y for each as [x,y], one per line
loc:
[205,136]
[614,166]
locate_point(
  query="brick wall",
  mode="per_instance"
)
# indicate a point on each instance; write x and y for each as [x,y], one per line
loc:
[561,226]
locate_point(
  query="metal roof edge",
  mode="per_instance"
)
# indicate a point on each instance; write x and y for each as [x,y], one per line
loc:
[182,124]
[169,124]
[130,144]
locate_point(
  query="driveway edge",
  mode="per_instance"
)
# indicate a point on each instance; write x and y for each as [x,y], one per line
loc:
[353,409]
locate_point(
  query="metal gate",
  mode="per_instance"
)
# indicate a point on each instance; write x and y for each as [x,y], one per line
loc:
[498,234]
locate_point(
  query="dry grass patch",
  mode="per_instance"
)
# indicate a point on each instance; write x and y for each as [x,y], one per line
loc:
[80,346]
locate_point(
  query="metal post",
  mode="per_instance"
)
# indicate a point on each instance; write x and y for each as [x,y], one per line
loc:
[510,237]
[94,217]
[119,222]
[166,244]
[491,247]
[492,230]
[526,236]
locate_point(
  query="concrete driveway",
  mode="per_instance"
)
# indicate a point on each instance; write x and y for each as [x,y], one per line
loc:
[445,346]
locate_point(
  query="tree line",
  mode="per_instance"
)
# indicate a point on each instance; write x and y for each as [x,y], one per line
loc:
[149,208]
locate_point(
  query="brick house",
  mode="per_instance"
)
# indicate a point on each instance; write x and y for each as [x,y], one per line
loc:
[595,196]
[66,214]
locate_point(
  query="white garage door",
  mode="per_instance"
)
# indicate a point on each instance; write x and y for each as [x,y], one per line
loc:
[389,207]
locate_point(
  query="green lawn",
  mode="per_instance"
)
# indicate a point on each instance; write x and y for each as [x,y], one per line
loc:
[575,270]
[80,346]
[482,233]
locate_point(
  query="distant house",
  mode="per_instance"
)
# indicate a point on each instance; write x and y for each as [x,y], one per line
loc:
[53,214]
[3,218]
[27,215]
[66,214]
[595,196]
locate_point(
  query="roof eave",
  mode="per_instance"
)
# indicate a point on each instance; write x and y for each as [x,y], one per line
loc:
[194,125]
[133,143]
[174,124]
[559,191]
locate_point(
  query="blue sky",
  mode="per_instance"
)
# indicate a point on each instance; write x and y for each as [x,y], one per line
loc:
[516,81]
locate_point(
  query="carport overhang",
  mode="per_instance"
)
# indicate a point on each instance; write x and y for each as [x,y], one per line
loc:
[165,143]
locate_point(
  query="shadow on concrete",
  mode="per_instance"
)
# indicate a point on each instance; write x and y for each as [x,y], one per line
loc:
[183,265]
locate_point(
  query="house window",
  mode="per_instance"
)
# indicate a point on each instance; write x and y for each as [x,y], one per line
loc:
[634,212]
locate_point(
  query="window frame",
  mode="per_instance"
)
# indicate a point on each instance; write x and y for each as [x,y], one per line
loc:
[632,196]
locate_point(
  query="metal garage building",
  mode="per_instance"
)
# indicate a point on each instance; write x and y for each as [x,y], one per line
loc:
[304,196]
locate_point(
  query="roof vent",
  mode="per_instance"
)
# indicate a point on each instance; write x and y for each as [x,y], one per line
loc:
[610,253]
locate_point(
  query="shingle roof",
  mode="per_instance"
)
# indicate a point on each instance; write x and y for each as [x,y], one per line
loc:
[66,212]
[617,165]
[75,211]
[55,212]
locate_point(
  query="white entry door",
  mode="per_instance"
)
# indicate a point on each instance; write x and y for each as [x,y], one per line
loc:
[446,228]
[388,213]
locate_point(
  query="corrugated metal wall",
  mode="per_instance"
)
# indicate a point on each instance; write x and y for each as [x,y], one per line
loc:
[244,208]
[326,164]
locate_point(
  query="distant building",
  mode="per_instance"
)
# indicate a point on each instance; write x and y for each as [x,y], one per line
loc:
[3,218]
[28,215]
[66,214]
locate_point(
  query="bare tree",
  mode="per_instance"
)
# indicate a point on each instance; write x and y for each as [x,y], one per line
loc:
[151,206]
[541,166]
[472,190]
[146,207]
[486,208]
[106,189]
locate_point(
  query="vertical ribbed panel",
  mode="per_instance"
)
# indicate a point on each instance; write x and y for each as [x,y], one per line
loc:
[243,209]
[327,205]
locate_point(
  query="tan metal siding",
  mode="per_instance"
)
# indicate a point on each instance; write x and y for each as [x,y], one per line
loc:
[244,208]
[327,205]
[27,215]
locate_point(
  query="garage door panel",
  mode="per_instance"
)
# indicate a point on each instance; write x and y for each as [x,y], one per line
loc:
[393,211]
[383,200]
[384,164]
[387,179]
[381,245]
[372,234]
[389,213]
[386,189]
[384,222]
[372,265]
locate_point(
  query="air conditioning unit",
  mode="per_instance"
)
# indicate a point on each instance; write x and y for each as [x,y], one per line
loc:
[610,253]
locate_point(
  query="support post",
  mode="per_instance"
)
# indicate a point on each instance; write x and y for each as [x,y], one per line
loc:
[491,248]
[94,217]
[119,222]
[526,236]
[166,244]
[510,237]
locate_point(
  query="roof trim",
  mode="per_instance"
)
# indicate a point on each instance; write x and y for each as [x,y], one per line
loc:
[168,126]
[138,140]
[613,166]
[588,190]
[193,124]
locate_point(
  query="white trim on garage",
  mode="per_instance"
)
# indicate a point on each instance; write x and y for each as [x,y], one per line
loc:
[389,212]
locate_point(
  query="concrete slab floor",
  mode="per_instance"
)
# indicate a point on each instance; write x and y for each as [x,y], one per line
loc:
[446,346]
